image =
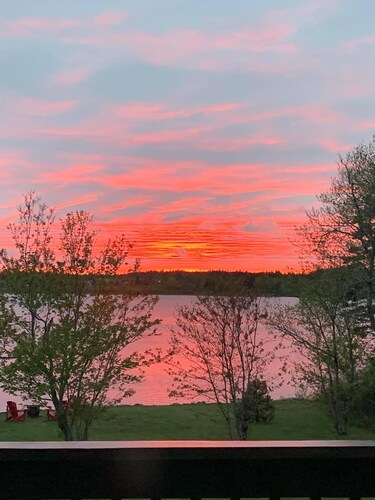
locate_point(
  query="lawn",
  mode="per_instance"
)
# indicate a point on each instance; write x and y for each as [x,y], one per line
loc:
[294,419]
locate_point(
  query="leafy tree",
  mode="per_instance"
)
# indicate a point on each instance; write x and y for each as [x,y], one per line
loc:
[216,353]
[64,338]
[342,230]
[330,337]
[341,234]
[364,397]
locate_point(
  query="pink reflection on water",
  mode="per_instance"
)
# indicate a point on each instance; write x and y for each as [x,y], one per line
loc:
[153,390]
[155,387]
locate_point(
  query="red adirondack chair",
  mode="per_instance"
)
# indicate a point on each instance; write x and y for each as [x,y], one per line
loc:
[51,414]
[13,413]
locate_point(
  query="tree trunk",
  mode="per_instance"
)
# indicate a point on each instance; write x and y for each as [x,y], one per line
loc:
[61,418]
[370,292]
[341,419]
[242,417]
[65,428]
[244,428]
[85,432]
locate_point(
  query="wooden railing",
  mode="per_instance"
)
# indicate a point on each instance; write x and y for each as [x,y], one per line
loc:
[187,469]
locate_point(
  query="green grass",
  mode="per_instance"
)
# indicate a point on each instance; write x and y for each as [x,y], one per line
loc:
[294,419]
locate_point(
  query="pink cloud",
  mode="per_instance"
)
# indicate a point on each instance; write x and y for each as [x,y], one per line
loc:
[320,114]
[237,143]
[37,107]
[266,38]
[115,133]
[107,130]
[358,43]
[162,49]
[65,176]
[11,203]
[69,77]
[180,46]
[109,18]
[184,204]
[177,46]
[313,114]
[63,132]
[130,202]
[336,147]
[368,125]
[308,169]
[163,136]
[77,202]
[145,111]
[270,32]
[298,15]
[119,125]
[214,180]
[38,26]
[11,162]
[221,114]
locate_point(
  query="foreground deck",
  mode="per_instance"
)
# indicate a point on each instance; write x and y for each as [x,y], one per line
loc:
[187,469]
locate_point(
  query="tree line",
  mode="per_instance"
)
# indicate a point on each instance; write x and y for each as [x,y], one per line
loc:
[271,284]
[179,282]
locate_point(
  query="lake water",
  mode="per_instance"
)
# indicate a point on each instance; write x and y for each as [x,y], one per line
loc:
[153,390]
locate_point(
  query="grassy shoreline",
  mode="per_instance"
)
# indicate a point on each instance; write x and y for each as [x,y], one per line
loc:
[295,419]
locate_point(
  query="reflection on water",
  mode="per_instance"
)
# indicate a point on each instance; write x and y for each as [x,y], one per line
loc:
[153,390]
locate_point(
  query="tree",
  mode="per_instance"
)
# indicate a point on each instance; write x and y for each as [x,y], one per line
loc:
[341,234]
[216,353]
[342,230]
[65,338]
[330,337]
[364,396]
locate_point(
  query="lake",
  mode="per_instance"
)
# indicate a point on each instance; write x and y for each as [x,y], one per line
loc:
[153,390]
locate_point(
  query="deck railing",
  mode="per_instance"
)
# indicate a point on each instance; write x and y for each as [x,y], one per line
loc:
[187,469]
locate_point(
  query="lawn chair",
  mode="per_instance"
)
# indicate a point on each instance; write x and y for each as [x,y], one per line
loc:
[51,414]
[13,413]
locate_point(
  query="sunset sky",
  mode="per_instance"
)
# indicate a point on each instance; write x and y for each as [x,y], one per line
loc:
[201,129]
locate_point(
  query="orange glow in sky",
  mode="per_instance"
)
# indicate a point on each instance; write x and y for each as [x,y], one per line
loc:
[203,134]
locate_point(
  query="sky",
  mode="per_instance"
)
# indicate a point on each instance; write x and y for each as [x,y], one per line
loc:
[200,129]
